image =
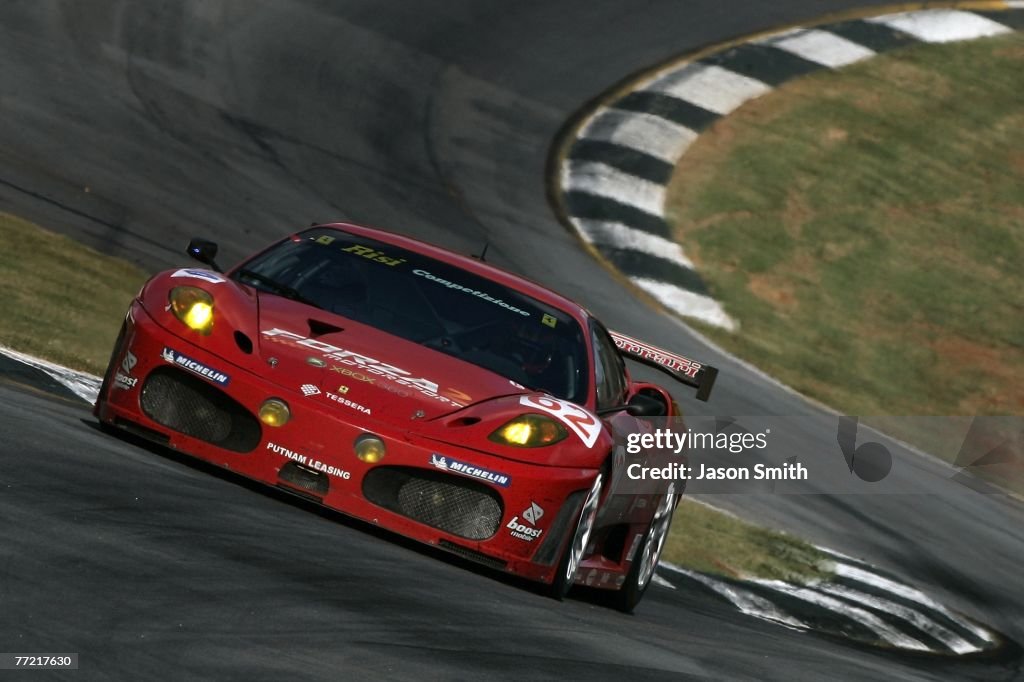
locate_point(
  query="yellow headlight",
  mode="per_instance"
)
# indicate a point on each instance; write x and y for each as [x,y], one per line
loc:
[194,307]
[275,412]
[369,448]
[529,431]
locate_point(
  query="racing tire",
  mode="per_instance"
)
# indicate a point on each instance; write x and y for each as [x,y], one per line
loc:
[576,549]
[641,571]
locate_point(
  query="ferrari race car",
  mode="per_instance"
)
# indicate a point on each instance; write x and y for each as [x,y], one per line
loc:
[426,392]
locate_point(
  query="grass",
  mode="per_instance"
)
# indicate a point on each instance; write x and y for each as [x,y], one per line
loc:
[866,228]
[705,539]
[62,301]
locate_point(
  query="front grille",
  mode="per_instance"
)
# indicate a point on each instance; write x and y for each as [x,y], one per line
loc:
[191,406]
[304,478]
[450,503]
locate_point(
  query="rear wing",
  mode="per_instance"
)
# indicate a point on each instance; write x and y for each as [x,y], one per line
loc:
[689,372]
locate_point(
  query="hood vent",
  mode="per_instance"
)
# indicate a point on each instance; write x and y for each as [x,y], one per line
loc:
[319,328]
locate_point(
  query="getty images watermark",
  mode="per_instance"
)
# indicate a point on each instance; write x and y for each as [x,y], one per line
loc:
[824,454]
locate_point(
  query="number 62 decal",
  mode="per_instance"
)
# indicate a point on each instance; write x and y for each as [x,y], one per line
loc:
[580,421]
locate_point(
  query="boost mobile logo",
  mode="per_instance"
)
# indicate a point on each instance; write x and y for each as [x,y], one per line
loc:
[129,362]
[533,513]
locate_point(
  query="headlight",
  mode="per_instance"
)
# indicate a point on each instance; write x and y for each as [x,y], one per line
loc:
[194,307]
[529,431]
[369,448]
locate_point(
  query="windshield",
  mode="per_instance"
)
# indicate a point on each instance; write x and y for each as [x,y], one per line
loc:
[428,302]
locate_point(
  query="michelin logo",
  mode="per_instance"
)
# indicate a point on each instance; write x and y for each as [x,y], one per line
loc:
[175,358]
[455,466]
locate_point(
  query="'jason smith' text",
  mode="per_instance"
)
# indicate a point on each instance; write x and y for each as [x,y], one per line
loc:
[790,471]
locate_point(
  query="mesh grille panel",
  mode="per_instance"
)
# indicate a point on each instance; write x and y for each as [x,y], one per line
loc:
[451,503]
[191,406]
[307,479]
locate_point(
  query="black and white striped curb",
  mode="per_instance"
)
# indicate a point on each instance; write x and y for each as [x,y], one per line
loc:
[860,602]
[85,386]
[622,155]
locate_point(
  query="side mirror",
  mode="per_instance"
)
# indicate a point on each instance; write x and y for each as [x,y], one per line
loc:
[641,405]
[204,251]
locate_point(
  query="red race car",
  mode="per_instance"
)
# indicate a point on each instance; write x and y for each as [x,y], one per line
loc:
[423,391]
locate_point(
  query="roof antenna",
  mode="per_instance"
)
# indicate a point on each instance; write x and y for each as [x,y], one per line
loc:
[483,254]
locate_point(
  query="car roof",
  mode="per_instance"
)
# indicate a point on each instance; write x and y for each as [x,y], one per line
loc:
[470,264]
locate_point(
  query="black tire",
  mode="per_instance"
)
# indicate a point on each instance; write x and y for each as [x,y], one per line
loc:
[576,546]
[641,571]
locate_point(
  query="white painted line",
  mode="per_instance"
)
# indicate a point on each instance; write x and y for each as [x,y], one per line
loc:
[821,47]
[619,236]
[709,86]
[910,594]
[687,302]
[82,384]
[941,25]
[869,620]
[658,580]
[955,642]
[604,180]
[747,602]
[654,135]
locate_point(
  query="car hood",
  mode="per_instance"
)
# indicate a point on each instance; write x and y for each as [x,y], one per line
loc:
[358,369]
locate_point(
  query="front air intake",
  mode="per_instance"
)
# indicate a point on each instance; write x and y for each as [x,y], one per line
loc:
[304,478]
[189,405]
[454,504]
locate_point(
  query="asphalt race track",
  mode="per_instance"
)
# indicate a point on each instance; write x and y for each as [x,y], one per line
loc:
[135,125]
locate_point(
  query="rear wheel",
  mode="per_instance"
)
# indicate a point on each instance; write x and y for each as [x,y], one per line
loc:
[573,554]
[648,554]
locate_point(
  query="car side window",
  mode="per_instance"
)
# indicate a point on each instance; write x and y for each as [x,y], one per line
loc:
[609,368]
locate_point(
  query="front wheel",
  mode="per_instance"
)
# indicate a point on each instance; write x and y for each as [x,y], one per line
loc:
[649,553]
[573,554]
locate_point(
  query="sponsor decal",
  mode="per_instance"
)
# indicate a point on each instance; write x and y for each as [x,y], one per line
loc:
[348,403]
[316,362]
[579,420]
[373,254]
[549,320]
[472,292]
[175,358]
[309,389]
[129,362]
[533,513]
[124,381]
[456,394]
[205,275]
[448,464]
[307,461]
[358,376]
[343,389]
[362,362]
[518,530]
[676,363]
